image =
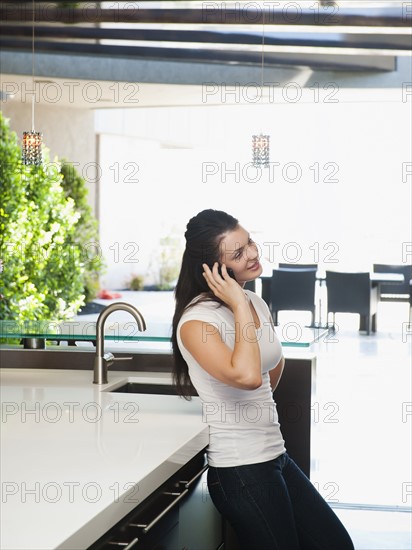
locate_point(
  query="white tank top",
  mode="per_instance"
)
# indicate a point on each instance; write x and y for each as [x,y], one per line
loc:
[244,426]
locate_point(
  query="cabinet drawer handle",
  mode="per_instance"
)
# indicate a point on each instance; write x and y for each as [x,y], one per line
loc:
[131,544]
[187,484]
[146,527]
[125,545]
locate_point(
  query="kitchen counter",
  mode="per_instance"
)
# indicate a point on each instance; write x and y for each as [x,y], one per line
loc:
[75,459]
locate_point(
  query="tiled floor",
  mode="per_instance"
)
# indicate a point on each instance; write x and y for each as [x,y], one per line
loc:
[362,411]
[361,427]
[374,530]
[362,421]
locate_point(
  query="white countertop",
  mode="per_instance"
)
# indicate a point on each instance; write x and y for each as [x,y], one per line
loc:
[76,459]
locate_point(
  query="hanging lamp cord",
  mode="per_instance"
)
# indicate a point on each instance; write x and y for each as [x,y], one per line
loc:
[263,48]
[32,70]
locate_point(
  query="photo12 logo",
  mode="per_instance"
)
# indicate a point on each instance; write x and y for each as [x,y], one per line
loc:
[68,412]
[52,492]
[71,12]
[274,172]
[54,91]
[270,92]
[275,13]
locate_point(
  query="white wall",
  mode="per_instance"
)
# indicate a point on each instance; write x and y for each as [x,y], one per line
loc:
[362,218]
[67,132]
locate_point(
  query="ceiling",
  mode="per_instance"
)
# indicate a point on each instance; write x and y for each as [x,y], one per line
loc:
[160,44]
[211,32]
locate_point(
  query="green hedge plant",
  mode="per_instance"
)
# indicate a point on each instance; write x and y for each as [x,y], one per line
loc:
[86,233]
[43,269]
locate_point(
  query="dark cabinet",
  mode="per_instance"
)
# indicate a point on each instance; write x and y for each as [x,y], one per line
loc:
[293,398]
[200,524]
[179,515]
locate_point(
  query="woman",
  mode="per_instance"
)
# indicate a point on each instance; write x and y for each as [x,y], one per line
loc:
[225,347]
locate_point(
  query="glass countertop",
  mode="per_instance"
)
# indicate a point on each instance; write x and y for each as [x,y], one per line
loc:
[84,331]
[290,335]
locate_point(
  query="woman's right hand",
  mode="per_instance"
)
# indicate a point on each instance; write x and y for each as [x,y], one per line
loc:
[223,286]
[238,366]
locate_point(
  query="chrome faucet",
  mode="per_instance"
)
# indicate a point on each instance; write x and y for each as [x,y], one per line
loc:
[103,360]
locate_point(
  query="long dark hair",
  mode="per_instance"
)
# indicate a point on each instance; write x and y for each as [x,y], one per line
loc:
[204,233]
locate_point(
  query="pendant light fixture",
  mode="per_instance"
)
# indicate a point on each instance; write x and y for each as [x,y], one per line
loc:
[32,140]
[260,143]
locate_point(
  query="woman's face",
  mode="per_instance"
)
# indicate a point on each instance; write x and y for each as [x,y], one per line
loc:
[240,253]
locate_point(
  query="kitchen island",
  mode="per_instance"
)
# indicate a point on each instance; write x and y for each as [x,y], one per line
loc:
[76,458]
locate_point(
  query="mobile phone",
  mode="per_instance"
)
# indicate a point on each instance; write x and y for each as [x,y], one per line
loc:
[229,272]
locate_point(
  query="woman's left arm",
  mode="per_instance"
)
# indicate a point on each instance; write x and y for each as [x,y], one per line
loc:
[276,373]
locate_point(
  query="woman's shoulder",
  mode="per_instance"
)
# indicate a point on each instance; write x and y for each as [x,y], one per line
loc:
[257,301]
[255,297]
[203,309]
[202,303]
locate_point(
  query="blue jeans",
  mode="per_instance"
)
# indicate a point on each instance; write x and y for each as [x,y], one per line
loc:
[273,506]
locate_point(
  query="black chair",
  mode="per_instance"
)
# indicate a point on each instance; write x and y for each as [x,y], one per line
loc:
[410,301]
[399,292]
[353,293]
[293,289]
[320,283]
[298,266]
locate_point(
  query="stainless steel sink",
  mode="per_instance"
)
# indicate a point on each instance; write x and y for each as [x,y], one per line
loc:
[147,388]
[141,387]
